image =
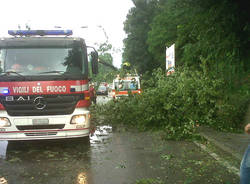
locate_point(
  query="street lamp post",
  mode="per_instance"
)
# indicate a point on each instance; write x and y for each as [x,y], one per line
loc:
[105,33]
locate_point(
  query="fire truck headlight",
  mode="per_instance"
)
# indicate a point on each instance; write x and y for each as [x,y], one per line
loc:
[4,122]
[78,119]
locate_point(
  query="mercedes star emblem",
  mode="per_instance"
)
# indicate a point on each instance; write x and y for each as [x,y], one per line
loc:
[40,103]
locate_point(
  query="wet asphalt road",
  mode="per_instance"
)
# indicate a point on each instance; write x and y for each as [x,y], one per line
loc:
[110,156]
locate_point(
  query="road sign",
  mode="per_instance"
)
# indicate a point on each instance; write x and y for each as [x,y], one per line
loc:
[170,59]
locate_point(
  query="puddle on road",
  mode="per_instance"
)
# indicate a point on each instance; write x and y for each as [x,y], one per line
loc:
[100,138]
[102,133]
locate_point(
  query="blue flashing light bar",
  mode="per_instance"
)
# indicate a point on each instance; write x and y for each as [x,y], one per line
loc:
[39,32]
[4,90]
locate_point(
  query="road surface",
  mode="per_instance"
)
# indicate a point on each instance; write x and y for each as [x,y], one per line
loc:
[113,155]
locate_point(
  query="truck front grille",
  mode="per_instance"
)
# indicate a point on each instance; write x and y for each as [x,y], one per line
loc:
[40,133]
[40,127]
[50,104]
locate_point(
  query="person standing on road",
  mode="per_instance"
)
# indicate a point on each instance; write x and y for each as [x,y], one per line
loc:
[245,163]
[92,94]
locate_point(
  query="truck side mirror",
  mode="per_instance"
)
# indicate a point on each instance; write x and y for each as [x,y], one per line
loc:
[94,62]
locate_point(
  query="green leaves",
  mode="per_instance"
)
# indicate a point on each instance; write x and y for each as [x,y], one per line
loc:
[210,36]
[175,103]
[137,26]
[149,181]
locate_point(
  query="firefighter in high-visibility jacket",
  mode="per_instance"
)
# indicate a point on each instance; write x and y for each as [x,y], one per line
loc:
[126,66]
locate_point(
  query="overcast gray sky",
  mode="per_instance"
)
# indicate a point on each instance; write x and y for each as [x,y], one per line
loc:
[70,14]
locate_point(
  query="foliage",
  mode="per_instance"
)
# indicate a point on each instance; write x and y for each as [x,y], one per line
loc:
[177,104]
[212,44]
[137,26]
[106,73]
[207,34]
[213,33]
[212,40]
[149,181]
[164,27]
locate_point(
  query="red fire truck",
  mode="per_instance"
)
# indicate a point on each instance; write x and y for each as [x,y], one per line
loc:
[44,91]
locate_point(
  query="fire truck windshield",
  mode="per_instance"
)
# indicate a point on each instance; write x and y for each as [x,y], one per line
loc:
[43,61]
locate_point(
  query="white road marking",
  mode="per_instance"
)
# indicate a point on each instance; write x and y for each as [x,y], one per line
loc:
[224,163]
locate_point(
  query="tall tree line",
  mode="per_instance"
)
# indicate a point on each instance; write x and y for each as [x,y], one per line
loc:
[211,35]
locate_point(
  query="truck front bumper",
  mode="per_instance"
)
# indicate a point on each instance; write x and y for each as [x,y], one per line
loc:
[45,127]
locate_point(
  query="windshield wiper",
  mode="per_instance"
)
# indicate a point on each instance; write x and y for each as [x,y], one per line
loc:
[11,72]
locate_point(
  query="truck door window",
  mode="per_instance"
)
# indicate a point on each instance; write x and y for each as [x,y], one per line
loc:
[73,61]
[2,58]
